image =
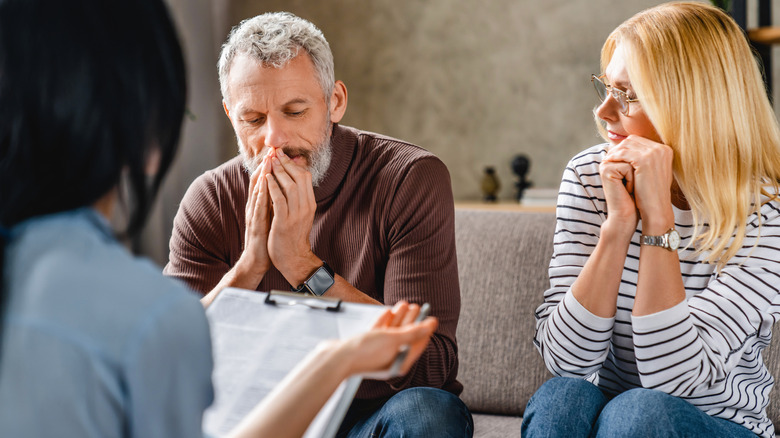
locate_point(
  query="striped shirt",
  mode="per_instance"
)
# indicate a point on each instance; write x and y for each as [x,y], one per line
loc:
[706,350]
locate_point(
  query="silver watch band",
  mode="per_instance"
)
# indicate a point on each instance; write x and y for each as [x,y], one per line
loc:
[655,241]
[669,240]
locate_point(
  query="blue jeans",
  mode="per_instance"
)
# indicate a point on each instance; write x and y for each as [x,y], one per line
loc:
[569,407]
[413,412]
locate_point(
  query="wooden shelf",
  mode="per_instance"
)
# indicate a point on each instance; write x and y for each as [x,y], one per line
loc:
[765,35]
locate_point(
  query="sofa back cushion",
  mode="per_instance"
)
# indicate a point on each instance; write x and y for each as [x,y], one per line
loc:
[502,264]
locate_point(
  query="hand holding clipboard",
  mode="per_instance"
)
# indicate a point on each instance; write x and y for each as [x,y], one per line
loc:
[397,367]
[334,340]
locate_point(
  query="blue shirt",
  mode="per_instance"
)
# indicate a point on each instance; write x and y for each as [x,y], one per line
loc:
[96,342]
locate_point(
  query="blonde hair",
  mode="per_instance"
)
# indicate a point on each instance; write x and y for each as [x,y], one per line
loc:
[698,82]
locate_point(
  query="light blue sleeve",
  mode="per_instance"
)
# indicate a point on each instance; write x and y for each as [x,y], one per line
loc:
[169,366]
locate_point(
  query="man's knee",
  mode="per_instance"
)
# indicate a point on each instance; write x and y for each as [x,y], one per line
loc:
[429,412]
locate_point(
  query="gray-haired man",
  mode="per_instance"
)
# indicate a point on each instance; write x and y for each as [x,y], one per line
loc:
[326,209]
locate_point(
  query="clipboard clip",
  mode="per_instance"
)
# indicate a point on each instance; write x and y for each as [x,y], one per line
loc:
[276,297]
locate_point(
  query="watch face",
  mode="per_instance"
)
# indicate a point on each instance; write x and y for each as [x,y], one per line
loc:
[673,239]
[320,282]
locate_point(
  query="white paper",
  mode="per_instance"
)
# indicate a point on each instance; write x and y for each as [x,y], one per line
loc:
[256,344]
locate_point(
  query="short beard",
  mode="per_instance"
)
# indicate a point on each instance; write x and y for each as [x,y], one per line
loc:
[318,159]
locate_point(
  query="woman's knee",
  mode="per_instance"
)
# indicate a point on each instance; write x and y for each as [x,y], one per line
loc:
[563,406]
[642,412]
[563,390]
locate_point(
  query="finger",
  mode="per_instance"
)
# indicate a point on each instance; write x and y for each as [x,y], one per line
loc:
[411,314]
[252,198]
[418,337]
[383,319]
[279,208]
[399,310]
[264,204]
[629,178]
[288,186]
[299,174]
[259,194]
[617,170]
[302,179]
[303,187]
[616,155]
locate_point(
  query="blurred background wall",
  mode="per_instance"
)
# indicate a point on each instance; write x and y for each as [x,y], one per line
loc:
[475,82]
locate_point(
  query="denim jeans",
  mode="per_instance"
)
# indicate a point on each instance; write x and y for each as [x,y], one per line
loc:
[570,407]
[413,412]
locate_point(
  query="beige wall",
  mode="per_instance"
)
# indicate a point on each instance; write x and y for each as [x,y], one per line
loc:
[475,82]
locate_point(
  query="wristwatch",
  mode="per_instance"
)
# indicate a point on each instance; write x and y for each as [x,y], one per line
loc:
[669,240]
[319,282]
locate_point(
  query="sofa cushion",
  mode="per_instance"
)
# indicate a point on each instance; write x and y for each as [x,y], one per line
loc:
[502,264]
[496,426]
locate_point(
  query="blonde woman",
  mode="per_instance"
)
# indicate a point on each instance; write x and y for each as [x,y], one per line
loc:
[664,280]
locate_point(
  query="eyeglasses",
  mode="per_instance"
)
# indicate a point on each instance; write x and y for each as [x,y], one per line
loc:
[603,91]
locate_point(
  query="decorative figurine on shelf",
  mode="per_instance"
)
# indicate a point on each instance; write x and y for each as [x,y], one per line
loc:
[490,184]
[520,166]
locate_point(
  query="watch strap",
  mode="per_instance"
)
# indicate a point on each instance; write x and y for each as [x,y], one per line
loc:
[654,240]
[669,240]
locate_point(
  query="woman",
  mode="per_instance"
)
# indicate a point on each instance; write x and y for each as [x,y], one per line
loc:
[665,270]
[96,343]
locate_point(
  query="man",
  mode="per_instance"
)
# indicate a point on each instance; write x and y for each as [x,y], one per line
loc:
[329,210]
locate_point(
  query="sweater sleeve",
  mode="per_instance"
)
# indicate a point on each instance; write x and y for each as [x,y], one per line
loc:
[692,348]
[573,341]
[197,247]
[422,266]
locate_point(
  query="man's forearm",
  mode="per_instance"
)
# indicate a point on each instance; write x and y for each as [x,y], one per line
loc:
[343,290]
[299,271]
[239,276]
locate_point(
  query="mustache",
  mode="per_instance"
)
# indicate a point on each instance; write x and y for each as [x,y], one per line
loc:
[292,151]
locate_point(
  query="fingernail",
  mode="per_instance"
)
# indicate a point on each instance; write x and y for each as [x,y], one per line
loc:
[280,152]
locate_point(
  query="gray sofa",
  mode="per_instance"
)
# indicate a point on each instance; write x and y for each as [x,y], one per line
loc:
[502,263]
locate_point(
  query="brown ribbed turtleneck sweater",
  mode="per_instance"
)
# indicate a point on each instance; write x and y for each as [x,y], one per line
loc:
[384,222]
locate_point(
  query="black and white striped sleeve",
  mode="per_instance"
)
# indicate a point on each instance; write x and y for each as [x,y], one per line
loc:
[572,340]
[691,348]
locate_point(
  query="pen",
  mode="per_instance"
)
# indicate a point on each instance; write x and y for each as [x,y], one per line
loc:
[424,309]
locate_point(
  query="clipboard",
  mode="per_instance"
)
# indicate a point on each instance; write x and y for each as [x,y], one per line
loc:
[258,337]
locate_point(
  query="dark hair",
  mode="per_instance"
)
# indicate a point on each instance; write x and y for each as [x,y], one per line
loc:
[89,90]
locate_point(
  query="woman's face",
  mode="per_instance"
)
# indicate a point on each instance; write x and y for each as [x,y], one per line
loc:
[618,125]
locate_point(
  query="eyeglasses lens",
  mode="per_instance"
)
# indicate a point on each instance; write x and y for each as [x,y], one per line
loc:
[603,92]
[601,89]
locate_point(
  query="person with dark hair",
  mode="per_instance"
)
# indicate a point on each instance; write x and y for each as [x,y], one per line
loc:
[97,343]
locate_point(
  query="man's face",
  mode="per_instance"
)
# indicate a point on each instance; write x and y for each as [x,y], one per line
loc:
[280,108]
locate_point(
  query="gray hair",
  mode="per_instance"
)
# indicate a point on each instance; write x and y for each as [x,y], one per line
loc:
[274,39]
